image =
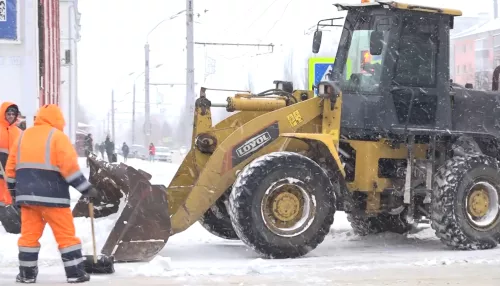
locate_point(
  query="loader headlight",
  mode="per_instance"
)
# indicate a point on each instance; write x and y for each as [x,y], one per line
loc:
[284,85]
[328,89]
[323,89]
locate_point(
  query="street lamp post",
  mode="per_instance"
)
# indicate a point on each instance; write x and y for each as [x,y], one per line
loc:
[147,124]
[113,113]
[190,93]
[113,108]
[133,102]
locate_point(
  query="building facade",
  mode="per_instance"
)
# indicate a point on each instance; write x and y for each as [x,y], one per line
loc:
[69,37]
[29,54]
[475,53]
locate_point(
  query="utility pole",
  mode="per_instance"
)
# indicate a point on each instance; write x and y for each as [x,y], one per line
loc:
[113,115]
[147,123]
[133,116]
[107,132]
[190,94]
[495,9]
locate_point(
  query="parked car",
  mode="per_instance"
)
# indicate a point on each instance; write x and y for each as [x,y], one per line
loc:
[80,143]
[138,151]
[164,154]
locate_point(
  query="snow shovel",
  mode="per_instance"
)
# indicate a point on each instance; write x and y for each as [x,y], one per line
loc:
[94,264]
[10,215]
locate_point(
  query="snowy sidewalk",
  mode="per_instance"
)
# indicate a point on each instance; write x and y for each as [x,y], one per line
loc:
[456,275]
[477,275]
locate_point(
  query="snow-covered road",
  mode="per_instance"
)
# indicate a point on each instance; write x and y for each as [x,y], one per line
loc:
[196,257]
[458,275]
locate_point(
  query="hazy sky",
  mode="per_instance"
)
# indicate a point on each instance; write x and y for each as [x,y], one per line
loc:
[114,33]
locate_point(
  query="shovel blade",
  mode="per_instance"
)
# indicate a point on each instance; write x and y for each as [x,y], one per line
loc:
[104,265]
[10,217]
[144,227]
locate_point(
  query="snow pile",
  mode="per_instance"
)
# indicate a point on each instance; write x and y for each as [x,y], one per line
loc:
[156,267]
[423,233]
[8,249]
[261,266]
[49,253]
[442,261]
[439,261]
[103,227]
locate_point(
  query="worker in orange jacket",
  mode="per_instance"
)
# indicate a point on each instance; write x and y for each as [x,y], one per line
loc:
[9,132]
[42,165]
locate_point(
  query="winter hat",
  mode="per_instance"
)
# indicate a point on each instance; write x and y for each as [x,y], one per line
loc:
[12,109]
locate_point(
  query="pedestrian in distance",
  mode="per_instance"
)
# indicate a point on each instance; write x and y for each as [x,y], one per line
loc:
[41,166]
[110,149]
[125,151]
[152,152]
[9,132]
[89,144]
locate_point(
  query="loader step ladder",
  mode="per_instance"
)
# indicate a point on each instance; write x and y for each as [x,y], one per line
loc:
[409,191]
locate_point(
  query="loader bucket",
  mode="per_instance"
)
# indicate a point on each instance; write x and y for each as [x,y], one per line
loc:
[143,228]
[111,182]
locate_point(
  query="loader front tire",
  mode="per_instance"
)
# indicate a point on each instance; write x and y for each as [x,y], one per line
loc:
[282,205]
[216,220]
[465,203]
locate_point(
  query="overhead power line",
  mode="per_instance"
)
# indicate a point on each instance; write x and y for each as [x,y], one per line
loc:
[234,44]
[279,19]
[262,14]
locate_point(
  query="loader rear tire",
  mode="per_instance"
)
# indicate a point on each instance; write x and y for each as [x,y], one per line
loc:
[363,225]
[282,205]
[216,220]
[460,220]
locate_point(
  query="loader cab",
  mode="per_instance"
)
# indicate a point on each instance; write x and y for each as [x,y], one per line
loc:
[400,67]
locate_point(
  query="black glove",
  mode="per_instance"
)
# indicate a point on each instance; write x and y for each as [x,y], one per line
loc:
[91,194]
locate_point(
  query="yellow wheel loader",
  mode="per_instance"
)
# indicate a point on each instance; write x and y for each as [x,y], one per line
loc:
[393,144]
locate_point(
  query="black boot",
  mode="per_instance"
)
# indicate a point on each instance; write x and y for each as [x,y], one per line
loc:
[84,277]
[27,276]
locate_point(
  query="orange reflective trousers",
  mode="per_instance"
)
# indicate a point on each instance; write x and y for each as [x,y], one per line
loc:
[5,197]
[60,220]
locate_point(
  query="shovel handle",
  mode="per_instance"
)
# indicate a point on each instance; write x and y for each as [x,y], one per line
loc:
[91,214]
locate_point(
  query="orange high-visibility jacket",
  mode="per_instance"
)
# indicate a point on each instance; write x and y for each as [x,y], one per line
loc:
[8,135]
[43,163]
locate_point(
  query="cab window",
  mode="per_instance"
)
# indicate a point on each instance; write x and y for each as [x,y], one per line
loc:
[362,70]
[417,56]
